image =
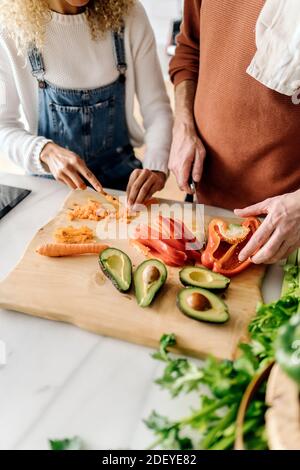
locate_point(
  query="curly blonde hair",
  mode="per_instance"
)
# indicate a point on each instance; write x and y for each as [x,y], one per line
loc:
[25,20]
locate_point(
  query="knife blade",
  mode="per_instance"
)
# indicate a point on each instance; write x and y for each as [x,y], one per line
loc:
[192,185]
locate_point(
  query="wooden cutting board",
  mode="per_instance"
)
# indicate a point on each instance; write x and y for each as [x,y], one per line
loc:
[74,290]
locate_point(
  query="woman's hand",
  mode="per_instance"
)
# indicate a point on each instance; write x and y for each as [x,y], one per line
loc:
[187,154]
[143,184]
[279,234]
[68,167]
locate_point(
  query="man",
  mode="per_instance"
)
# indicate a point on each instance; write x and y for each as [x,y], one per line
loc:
[238,139]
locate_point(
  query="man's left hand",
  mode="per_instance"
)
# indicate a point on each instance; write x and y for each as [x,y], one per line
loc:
[279,234]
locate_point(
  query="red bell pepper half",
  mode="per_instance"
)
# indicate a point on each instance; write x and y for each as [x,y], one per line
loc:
[224,244]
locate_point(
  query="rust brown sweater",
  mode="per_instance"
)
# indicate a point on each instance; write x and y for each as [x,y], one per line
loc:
[251,133]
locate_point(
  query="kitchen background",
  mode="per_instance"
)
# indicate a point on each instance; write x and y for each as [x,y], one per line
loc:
[161,14]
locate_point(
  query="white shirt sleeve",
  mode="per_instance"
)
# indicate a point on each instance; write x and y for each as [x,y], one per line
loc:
[151,93]
[276,62]
[19,145]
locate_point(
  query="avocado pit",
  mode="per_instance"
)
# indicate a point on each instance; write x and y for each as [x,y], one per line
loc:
[149,277]
[151,274]
[198,302]
[202,305]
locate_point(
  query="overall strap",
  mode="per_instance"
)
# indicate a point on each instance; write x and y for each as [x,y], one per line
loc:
[119,43]
[37,65]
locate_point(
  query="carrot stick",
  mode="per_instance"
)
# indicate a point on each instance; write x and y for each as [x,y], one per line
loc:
[70,249]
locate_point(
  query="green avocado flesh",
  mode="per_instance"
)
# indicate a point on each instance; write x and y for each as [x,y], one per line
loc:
[202,277]
[149,278]
[116,265]
[202,305]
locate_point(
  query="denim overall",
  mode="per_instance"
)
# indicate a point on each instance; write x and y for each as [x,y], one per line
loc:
[91,123]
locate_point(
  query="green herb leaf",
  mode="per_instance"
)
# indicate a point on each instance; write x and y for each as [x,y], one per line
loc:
[168,433]
[166,341]
[74,443]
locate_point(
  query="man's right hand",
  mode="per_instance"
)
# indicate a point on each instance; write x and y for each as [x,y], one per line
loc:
[68,167]
[187,154]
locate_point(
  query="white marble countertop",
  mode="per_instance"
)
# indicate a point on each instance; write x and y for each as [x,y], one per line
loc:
[60,381]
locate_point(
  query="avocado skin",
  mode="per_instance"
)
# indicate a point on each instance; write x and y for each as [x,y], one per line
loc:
[160,282]
[109,275]
[201,316]
[217,290]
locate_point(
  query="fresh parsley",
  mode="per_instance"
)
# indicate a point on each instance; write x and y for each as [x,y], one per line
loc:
[222,384]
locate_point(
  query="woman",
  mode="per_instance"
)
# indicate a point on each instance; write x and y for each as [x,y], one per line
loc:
[69,70]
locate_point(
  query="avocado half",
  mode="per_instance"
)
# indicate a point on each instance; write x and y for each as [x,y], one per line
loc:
[201,277]
[202,305]
[149,278]
[116,265]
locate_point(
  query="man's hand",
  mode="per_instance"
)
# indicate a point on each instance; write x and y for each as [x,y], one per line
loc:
[68,167]
[143,184]
[279,234]
[187,152]
[187,155]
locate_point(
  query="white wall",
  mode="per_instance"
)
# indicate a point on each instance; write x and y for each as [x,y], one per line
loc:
[161,14]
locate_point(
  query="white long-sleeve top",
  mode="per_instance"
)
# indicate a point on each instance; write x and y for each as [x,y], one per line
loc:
[276,63]
[74,60]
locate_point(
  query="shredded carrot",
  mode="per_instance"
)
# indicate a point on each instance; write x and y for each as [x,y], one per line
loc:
[87,211]
[74,235]
[70,249]
[95,210]
[112,199]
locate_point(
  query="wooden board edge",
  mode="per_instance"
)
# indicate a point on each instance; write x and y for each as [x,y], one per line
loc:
[283,415]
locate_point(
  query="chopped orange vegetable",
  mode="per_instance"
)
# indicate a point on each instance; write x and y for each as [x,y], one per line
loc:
[87,211]
[74,235]
[95,210]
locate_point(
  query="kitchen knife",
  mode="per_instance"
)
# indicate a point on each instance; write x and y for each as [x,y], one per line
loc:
[192,185]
